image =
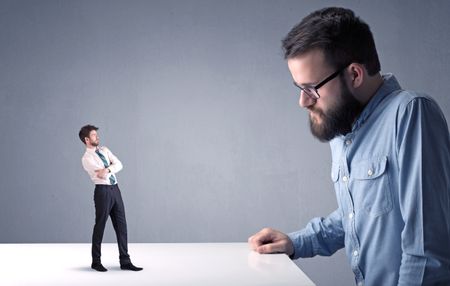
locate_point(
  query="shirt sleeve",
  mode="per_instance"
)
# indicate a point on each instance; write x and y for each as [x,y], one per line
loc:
[115,164]
[89,166]
[321,236]
[424,185]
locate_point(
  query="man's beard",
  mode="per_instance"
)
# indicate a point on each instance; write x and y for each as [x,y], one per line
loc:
[95,143]
[339,118]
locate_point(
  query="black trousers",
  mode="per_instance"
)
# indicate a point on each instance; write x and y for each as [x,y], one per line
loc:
[108,202]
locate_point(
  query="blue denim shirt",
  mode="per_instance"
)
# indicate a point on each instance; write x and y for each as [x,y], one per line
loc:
[391,175]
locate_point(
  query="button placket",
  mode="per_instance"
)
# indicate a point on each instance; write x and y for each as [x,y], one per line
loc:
[350,225]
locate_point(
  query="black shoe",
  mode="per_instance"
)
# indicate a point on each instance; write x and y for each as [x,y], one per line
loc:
[131,267]
[98,267]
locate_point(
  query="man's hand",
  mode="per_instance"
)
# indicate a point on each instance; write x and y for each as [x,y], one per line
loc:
[271,241]
[102,173]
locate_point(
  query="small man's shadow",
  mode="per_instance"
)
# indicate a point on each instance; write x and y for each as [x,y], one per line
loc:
[83,269]
[89,269]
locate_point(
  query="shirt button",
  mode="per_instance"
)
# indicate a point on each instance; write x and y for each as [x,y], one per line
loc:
[345,178]
[348,142]
[370,172]
[355,253]
[350,215]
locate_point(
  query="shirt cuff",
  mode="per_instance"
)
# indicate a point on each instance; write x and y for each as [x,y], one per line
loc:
[298,240]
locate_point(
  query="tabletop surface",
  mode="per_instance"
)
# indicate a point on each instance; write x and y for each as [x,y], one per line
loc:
[164,264]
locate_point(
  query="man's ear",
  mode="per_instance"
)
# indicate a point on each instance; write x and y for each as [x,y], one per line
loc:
[356,74]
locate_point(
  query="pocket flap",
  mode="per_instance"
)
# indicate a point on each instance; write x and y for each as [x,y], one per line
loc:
[369,169]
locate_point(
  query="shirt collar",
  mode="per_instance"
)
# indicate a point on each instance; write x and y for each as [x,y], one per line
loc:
[390,84]
[91,150]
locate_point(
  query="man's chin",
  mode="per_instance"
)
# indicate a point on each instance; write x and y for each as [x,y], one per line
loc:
[319,131]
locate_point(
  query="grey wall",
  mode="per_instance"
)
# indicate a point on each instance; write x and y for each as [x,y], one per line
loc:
[195,99]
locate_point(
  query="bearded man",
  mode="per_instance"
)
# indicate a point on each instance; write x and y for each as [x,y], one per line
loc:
[390,159]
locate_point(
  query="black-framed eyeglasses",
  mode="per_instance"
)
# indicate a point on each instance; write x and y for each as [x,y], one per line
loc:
[312,91]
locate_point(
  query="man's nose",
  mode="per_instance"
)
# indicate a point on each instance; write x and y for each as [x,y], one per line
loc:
[305,100]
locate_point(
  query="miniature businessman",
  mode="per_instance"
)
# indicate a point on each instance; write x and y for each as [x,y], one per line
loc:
[102,166]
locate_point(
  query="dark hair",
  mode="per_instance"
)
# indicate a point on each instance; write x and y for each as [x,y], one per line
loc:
[343,37]
[85,131]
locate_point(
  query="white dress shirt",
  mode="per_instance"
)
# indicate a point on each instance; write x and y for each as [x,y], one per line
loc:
[92,162]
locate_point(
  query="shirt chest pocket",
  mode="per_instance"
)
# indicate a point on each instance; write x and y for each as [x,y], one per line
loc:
[369,186]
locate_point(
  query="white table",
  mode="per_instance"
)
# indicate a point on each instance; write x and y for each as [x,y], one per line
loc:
[164,264]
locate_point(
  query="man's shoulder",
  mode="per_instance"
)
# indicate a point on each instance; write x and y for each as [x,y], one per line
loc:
[404,98]
[413,104]
[85,154]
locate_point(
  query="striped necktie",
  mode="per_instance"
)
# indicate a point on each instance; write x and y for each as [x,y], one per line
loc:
[112,179]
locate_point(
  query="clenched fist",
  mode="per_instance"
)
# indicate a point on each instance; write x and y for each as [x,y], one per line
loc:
[271,241]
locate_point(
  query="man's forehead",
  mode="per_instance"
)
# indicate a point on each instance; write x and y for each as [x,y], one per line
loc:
[308,67]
